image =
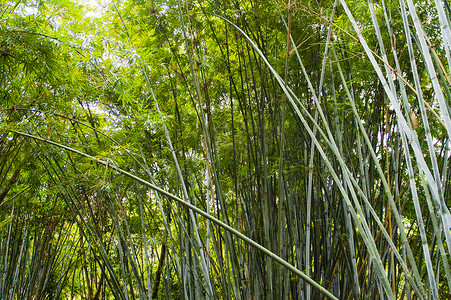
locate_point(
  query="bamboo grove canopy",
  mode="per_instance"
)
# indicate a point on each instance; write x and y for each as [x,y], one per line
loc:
[204,149]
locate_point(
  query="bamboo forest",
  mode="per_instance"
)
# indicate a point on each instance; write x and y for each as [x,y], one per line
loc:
[225,149]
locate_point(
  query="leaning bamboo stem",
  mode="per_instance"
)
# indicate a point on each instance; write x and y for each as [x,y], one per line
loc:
[193,208]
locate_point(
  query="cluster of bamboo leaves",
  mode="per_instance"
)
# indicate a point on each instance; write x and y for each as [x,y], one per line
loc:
[225,150]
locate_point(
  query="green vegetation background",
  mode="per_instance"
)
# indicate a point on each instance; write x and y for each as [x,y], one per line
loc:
[269,116]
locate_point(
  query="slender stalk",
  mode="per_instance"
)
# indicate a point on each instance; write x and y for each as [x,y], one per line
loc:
[235,232]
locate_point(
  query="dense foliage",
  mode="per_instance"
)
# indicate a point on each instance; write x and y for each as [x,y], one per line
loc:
[225,149]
